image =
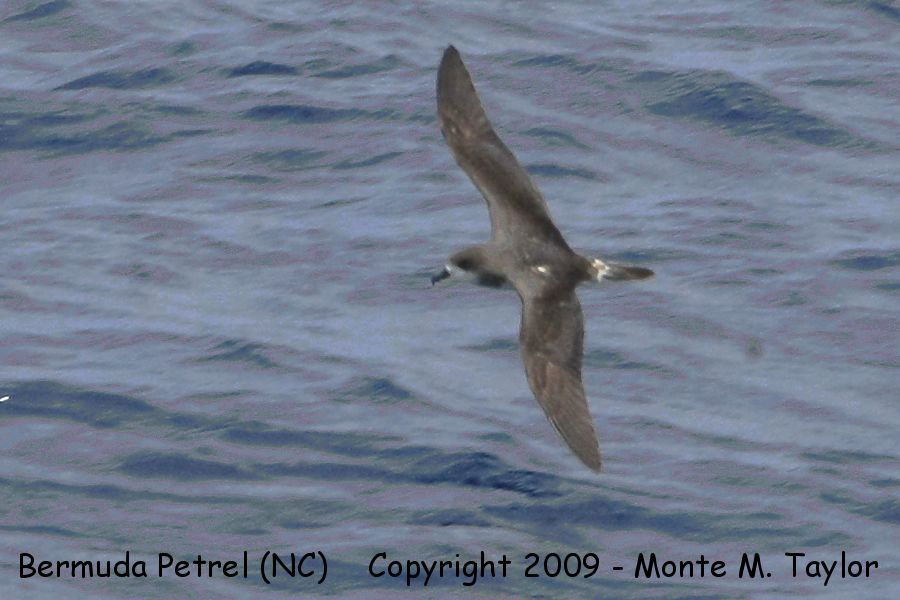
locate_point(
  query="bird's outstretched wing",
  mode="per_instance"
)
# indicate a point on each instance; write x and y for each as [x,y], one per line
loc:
[552,338]
[516,206]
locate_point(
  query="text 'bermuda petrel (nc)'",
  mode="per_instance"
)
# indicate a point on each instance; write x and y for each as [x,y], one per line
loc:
[528,251]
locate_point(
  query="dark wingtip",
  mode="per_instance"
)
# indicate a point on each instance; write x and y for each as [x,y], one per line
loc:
[592,462]
[590,457]
[450,54]
[451,57]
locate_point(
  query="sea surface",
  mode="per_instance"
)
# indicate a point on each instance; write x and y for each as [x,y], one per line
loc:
[218,334]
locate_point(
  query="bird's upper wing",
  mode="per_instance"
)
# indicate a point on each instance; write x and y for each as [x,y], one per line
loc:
[515,204]
[552,338]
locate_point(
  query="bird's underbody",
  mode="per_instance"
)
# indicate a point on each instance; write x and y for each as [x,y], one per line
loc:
[526,251]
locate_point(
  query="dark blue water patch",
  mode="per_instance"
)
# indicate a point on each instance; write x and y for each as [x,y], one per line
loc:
[886,510]
[55,119]
[262,67]
[174,109]
[554,61]
[376,389]
[885,9]
[122,80]
[554,137]
[379,66]
[449,518]
[845,457]
[185,421]
[146,273]
[787,298]
[246,179]
[425,118]
[498,437]
[792,536]
[327,471]
[41,530]
[764,225]
[546,60]
[888,286]
[177,466]
[255,433]
[368,162]
[737,282]
[104,492]
[241,351]
[430,466]
[838,82]
[302,113]
[601,358]
[318,64]
[609,514]
[651,76]
[601,512]
[885,482]
[740,107]
[406,454]
[726,443]
[349,202]
[481,470]
[764,272]
[496,345]
[121,136]
[284,26]
[730,239]
[248,529]
[651,256]
[294,159]
[551,170]
[870,262]
[20,130]
[295,524]
[561,61]
[751,482]
[385,114]
[41,11]
[183,48]
[754,348]
[47,399]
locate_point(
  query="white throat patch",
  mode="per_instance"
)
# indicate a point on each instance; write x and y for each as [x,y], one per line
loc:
[460,274]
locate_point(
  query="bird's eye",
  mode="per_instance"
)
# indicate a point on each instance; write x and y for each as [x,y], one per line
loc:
[465,264]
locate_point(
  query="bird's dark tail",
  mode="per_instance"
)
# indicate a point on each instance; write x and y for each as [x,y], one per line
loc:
[619,272]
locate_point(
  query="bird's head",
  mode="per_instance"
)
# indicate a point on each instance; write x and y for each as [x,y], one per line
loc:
[466,262]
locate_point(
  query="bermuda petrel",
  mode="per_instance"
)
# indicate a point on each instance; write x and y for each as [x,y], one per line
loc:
[528,251]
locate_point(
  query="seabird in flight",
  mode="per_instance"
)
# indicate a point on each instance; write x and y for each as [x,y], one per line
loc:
[527,251]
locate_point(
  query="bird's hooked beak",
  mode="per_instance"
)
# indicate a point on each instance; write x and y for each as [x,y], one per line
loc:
[444,274]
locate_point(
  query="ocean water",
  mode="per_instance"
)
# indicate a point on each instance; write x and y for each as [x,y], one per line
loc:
[217,332]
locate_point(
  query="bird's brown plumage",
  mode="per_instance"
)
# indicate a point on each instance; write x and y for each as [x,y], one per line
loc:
[514,202]
[524,239]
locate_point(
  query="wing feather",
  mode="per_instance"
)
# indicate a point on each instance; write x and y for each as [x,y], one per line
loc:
[514,202]
[552,337]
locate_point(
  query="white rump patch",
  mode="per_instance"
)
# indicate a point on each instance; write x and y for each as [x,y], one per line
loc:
[602,268]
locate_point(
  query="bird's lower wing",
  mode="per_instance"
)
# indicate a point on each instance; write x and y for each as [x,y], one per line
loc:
[552,338]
